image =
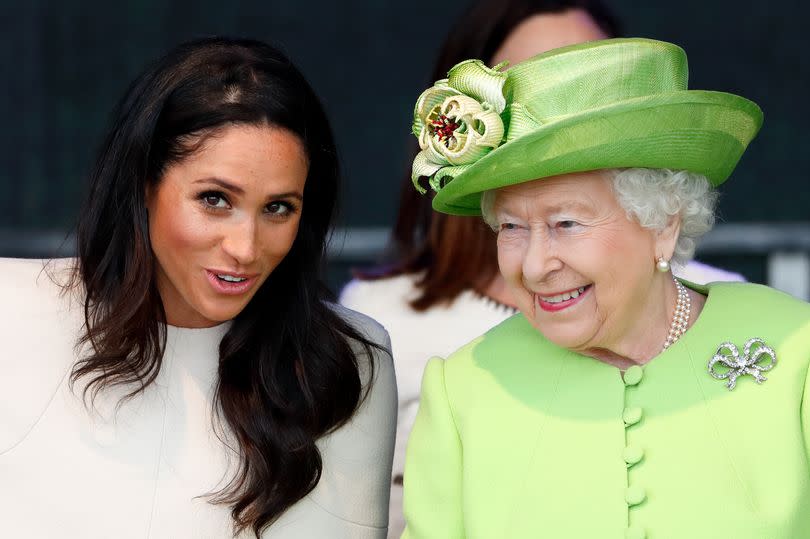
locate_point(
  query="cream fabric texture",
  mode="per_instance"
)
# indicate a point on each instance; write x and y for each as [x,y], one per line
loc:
[142,472]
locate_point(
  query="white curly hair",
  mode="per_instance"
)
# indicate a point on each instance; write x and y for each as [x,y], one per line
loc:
[651,196]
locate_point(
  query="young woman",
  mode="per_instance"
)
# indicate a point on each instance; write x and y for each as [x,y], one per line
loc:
[183,376]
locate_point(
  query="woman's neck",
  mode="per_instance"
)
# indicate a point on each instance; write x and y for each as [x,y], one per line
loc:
[647,341]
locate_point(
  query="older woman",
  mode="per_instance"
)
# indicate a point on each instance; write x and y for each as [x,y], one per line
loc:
[620,402]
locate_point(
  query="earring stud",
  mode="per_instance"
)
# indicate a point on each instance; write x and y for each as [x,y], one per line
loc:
[662,265]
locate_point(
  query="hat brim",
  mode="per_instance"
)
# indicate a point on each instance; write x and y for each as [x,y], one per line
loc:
[699,131]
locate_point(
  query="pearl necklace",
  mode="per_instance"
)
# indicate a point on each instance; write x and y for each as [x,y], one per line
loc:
[680,318]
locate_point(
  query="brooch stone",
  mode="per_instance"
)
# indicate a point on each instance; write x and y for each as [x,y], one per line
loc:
[757,357]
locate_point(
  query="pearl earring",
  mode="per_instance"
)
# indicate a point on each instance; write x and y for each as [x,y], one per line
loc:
[662,265]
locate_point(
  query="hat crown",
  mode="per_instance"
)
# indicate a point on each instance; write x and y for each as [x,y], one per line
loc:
[600,105]
[583,77]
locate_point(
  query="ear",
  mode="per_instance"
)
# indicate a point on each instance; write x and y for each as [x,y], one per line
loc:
[666,239]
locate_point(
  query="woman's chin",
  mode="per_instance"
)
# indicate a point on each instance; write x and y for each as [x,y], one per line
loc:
[211,313]
[218,316]
[570,338]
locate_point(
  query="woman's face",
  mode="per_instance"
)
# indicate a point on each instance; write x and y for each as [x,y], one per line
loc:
[546,31]
[223,218]
[581,272]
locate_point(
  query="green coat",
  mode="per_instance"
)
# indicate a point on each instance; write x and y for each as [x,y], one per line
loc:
[518,438]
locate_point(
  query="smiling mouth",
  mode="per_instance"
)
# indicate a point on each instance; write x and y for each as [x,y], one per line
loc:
[565,296]
[230,283]
[230,278]
[563,300]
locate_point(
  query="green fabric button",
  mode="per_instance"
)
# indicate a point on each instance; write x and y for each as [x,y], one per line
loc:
[634,532]
[633,455]
[631,416]
[633,375]
[635,495]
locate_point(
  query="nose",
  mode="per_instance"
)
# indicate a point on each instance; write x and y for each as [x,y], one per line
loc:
[541,258]
[240,241]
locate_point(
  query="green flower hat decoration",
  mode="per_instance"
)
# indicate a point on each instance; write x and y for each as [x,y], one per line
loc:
[599,105]
[457,121]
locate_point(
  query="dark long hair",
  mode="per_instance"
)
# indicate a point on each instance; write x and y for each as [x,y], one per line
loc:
[454,253]
[286,377]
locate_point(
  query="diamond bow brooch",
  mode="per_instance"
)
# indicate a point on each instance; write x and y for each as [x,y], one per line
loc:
[757,357]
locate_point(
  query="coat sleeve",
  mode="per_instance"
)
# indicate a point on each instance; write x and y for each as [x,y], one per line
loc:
[433,464]
[37,330]
[351,499]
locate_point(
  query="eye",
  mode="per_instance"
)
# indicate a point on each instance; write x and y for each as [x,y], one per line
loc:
[280,208]
[214,199]
[510,229]
[566,224]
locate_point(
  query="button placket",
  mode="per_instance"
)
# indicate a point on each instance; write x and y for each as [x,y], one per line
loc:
[633,454]
[632,415]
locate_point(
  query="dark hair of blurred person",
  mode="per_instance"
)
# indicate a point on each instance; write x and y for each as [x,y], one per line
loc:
[451,253]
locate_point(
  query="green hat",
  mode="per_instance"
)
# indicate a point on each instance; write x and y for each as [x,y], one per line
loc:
[603,104]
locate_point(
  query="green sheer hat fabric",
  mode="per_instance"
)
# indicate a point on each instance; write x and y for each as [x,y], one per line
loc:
[599,105]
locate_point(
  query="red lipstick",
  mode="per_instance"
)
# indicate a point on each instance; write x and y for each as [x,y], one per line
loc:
[561,305]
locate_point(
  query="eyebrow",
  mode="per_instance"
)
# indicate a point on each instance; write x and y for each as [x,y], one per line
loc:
[567,206]
[553,208]
[224,184]
[239,191]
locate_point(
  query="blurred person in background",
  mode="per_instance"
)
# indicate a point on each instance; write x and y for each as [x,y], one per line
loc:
[621,401]
[184,376]
[446,273]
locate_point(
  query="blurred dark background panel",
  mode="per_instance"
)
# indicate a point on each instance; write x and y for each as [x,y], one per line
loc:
[63,66]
